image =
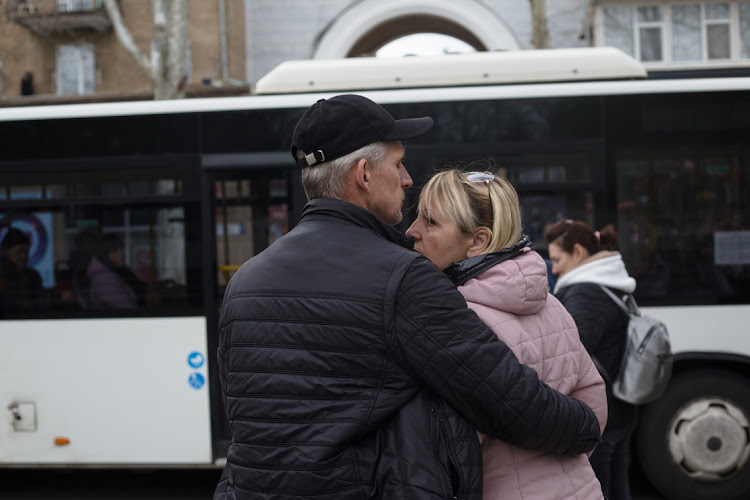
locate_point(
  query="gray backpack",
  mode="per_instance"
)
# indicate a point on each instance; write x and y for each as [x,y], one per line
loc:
[646,365]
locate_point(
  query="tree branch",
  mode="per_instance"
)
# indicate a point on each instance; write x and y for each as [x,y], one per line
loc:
[126,39]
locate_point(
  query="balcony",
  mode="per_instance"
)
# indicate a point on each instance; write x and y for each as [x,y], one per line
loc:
[56,22]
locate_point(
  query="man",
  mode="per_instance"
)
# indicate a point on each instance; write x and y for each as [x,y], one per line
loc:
[327,336]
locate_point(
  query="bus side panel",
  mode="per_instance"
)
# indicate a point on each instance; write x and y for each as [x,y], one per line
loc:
[695,329]
[122,391]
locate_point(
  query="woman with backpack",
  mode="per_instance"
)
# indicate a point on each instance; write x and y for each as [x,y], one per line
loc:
[584,261]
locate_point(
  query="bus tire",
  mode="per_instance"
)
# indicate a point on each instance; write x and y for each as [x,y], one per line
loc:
[694,442]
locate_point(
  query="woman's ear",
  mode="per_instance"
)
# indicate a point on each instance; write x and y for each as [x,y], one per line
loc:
[580,253]
[479,242]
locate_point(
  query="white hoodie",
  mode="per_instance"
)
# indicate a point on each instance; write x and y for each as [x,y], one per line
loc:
[603,268]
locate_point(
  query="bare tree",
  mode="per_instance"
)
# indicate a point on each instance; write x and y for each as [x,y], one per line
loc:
[539,20]
[166,68]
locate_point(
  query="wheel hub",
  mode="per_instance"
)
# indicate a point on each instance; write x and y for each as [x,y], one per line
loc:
[710,439]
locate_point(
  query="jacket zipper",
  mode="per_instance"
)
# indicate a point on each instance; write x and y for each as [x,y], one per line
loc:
[447,483]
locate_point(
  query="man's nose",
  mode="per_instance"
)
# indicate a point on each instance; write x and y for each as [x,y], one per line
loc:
[406,181]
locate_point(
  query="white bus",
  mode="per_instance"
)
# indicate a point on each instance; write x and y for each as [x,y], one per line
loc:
[193,188]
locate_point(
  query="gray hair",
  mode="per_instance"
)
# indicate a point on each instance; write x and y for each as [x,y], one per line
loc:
[327,180]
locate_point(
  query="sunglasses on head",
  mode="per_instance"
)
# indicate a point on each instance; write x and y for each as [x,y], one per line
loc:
[483,177]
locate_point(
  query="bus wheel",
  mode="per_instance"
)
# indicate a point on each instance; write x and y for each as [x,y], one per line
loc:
[694,442]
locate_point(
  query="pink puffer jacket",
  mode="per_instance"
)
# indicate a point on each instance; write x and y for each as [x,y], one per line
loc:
[512,298]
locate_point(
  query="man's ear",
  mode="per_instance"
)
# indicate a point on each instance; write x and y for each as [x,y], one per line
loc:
[479,242]
[363,174]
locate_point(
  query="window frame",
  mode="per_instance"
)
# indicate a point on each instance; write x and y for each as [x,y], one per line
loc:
[186,198]
[661,24]
[74,5]
[78,64]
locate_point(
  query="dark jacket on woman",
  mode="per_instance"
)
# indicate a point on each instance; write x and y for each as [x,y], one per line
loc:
[336,328]
[601,323]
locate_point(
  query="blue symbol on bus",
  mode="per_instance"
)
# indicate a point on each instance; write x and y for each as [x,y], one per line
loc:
[196,380]
[196,359]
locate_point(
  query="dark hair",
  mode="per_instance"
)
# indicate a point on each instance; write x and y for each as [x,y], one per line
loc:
[567,233]
[107,243]
[14,237]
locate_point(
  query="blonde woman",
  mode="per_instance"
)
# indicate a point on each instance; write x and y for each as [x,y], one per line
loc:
[469,225]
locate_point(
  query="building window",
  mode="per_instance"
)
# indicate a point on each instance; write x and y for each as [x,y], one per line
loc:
[74,5]
[650,25]
[717,24]
[679,32]
[75,69]
[686,33]
[618,28]
[744,19]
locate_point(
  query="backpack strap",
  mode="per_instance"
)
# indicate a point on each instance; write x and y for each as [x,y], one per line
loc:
[628,306]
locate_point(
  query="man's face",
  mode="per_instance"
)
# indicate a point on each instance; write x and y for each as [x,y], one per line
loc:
[389,181]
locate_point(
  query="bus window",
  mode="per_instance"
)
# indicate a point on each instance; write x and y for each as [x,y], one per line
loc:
[686,215]
[103,244]
[234,223]
[251,213]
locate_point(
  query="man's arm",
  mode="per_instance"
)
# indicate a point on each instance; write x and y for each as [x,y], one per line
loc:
[445,345]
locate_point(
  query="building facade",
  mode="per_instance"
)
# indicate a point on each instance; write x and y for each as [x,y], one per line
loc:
[693,35]
[66,50]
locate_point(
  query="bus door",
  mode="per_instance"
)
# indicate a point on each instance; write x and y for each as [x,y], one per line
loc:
[253,200]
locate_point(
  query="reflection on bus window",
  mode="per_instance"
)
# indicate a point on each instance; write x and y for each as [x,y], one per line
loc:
[97,248]
[687,223]
[250,215]
[234,226]
[20,285]
[111,283]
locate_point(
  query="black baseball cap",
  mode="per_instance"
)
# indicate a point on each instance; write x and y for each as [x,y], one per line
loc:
[332,128]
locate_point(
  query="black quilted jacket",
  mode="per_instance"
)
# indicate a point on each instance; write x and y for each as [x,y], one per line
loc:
[327,335]
[602,326]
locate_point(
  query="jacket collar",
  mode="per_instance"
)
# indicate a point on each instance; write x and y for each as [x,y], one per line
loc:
[461,272]
[326,209]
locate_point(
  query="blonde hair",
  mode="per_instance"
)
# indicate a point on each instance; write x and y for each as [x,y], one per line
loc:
[451,195]
[327,180]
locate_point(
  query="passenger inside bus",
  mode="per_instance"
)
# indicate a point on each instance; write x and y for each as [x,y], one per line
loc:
[20,285]
[112,284]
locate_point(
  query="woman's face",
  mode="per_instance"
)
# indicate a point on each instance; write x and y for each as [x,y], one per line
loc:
[439,239]
[562,261]
[117,257]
